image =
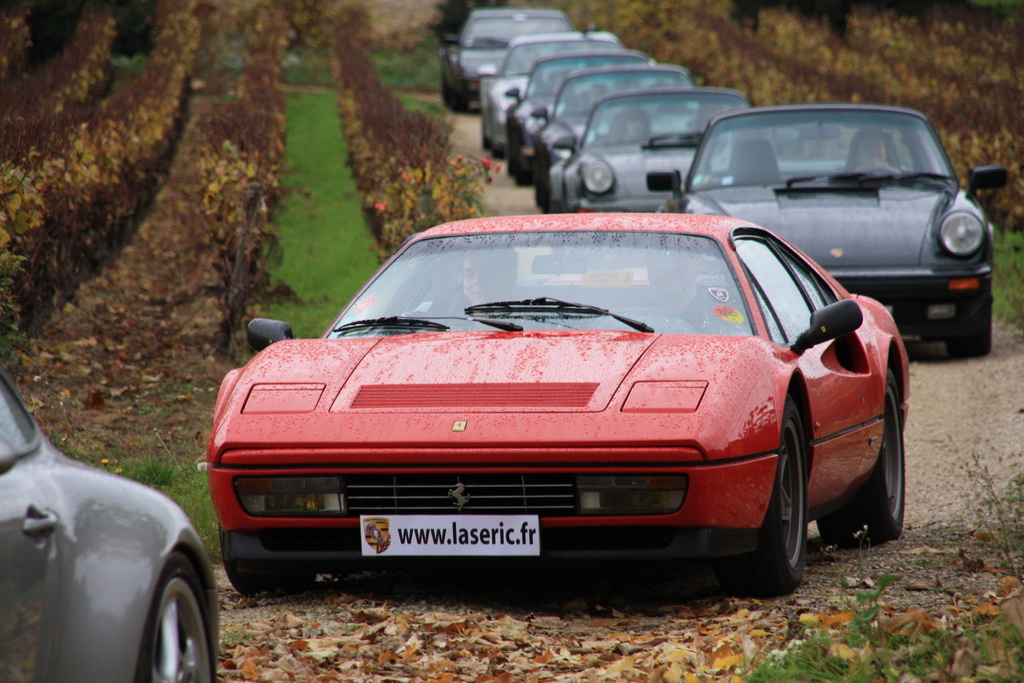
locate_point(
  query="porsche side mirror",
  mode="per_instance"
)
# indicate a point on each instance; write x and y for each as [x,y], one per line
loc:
[667,181]
[513,93]
[262,332]
[828,323]
[540,113]
[450,39]
[985,178]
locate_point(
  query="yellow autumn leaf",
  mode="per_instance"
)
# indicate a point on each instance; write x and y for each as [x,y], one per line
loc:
[809,619]
[842,650]
[727,662]
[623,664]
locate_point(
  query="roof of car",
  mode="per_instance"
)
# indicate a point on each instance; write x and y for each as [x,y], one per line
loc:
[577,54]
[655,92]
[823,106]
[718,227]
[569,36]
[512,11]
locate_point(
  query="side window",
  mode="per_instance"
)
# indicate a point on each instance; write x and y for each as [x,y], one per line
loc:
[817,290]
[779,292]
[16,427]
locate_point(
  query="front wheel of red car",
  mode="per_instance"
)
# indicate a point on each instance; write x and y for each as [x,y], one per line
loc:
[176,642]
[876,514]
[776,566]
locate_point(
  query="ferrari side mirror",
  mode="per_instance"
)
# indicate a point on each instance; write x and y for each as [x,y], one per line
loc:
[262,332]
[828,323]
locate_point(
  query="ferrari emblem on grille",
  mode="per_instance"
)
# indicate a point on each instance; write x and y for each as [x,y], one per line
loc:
[459,495]
[459,426]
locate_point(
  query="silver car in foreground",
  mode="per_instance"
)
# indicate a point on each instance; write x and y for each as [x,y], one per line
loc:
[101,578]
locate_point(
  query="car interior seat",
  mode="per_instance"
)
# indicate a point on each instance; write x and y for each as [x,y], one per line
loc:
[753,163]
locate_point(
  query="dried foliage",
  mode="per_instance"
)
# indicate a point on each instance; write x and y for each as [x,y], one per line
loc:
[75,183]
[406,175]
[240,171]
[15,40]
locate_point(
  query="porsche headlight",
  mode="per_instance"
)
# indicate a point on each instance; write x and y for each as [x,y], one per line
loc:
[624,495]
[291,496]
[961,233]
[598,177]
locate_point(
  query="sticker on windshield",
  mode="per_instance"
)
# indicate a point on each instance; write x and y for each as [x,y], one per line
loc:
[729,314]
[608,278]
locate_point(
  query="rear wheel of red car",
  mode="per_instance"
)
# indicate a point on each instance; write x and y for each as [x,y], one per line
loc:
[777,565]
[876,514]
[250,583]
[176,644]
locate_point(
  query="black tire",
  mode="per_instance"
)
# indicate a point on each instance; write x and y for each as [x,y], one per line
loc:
[251,583]
[776,566]
[177,644]
[879,504]
[523,175]
[970,347]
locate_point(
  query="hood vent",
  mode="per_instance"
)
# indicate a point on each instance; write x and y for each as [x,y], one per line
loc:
[534,395]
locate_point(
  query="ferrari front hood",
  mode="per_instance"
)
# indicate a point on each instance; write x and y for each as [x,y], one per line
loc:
[491,372]
[887,227]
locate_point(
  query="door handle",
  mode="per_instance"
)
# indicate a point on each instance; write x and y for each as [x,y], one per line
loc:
[39,522]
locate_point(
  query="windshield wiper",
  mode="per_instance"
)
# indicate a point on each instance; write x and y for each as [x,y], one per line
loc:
[675,140]
[548,303]
[911,178]
[393,321]
[425,323]
[486,41]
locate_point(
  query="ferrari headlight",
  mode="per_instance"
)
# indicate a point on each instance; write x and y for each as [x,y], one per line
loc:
[624,495]
[598,177]
[961,233]
[291,496]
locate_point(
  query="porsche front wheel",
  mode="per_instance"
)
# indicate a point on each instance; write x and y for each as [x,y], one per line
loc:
[176,643]
[876,514]
[776,566]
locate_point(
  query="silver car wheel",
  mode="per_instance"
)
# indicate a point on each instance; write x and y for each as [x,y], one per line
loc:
[181,642]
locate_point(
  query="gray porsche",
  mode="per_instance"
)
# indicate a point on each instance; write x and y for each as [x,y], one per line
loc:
[629,135]
[101,578]
[869,192]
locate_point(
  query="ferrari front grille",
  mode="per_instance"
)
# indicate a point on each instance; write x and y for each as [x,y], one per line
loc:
[544,495]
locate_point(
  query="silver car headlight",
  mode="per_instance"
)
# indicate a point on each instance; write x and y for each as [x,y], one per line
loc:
[598,177]
[961,233]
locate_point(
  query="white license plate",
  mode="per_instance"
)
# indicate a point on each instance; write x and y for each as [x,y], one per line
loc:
[449,535]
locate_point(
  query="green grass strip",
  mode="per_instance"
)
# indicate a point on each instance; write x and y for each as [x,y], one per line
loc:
[324,244]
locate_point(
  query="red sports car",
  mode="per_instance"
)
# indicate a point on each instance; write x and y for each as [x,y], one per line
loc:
[631,386]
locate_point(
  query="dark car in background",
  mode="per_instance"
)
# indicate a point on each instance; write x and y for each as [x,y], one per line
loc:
[525,117]
[629,135]
[482,42]
[101,578]
[514,71]
[568,114]
[869,192]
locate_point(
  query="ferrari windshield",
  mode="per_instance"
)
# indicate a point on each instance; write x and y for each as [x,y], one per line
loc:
[611,280]
[664,118]
[829,146]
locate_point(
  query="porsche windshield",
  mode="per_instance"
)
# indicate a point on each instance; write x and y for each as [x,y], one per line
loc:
[611,280]
[662,118]
[832,146]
